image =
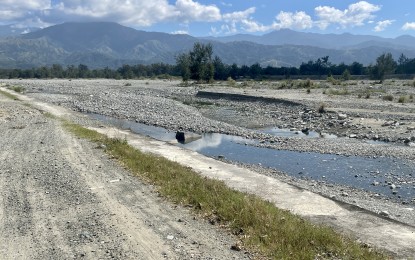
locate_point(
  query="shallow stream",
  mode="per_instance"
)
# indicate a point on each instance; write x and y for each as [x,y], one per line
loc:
[392,178]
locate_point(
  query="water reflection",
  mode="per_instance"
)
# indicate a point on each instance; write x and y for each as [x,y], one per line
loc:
[214,141]
[354,171]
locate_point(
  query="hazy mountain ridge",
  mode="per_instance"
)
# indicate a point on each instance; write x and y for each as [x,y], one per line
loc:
[330,41]
[101,44]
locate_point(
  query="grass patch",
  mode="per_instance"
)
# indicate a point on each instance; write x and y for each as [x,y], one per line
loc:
[261,227]
[18,89]
[7,94]
[388,97]
[197,103]
[297,84]
[49,115]
[406,98]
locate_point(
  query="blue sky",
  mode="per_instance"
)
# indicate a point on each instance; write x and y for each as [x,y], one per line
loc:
[387,18]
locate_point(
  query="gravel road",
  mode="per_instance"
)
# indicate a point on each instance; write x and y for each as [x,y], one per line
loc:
[62,198]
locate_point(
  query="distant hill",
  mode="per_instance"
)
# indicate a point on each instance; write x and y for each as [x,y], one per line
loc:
[329,41]
[101,44]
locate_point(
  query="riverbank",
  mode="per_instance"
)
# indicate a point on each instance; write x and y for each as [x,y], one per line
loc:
[170,105]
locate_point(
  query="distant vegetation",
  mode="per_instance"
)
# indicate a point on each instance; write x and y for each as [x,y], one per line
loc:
[199,65]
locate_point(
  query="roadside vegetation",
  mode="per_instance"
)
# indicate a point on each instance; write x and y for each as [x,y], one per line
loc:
[18,89]
[261,227]
[7,94]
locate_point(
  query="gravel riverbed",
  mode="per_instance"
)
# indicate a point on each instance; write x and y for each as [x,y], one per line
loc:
[372,128]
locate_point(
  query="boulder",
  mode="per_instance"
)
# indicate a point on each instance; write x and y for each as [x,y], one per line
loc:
[186,137]
[341,116]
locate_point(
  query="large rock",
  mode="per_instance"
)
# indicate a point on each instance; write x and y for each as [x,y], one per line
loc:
[186,137]
[342,116]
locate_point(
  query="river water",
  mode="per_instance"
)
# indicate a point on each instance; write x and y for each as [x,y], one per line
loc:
[354,171]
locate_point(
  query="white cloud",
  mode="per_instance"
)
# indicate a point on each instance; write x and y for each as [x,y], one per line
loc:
[11,10]
[355,15]
[132,12]
[180,32]
[288,20]
[254,26]
[226,4]
[382,25]
[228,28]
[239,16]
[144,13]
[129,12]
[239,20]
[408,26]
[194,11]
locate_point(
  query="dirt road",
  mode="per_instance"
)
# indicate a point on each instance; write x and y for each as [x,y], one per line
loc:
[62,198]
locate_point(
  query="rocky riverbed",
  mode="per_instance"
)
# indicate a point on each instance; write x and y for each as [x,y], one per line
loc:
[371,127]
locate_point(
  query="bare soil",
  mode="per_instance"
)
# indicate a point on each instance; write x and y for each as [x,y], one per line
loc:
[62,198]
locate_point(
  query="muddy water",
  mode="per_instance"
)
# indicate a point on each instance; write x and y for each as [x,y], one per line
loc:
[393,178]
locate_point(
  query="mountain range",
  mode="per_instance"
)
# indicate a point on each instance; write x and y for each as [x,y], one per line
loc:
[102,44]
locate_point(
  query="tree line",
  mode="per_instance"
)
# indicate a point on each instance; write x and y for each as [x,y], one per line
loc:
[200,65]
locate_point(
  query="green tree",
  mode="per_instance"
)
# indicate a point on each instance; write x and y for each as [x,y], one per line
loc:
[255,71]
[83,71]
[385,64]
[198,63]
[221,72]
[183,63]
[356,68]
[57,71]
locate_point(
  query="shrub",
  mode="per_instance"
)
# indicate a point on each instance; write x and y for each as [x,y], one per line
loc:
[346,75]
[388,98]
[343,91]
[231,82]
[402,99]
[18,89]
[333,81]
[302,84]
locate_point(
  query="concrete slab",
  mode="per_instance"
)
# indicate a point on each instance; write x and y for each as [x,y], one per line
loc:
[365,226]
